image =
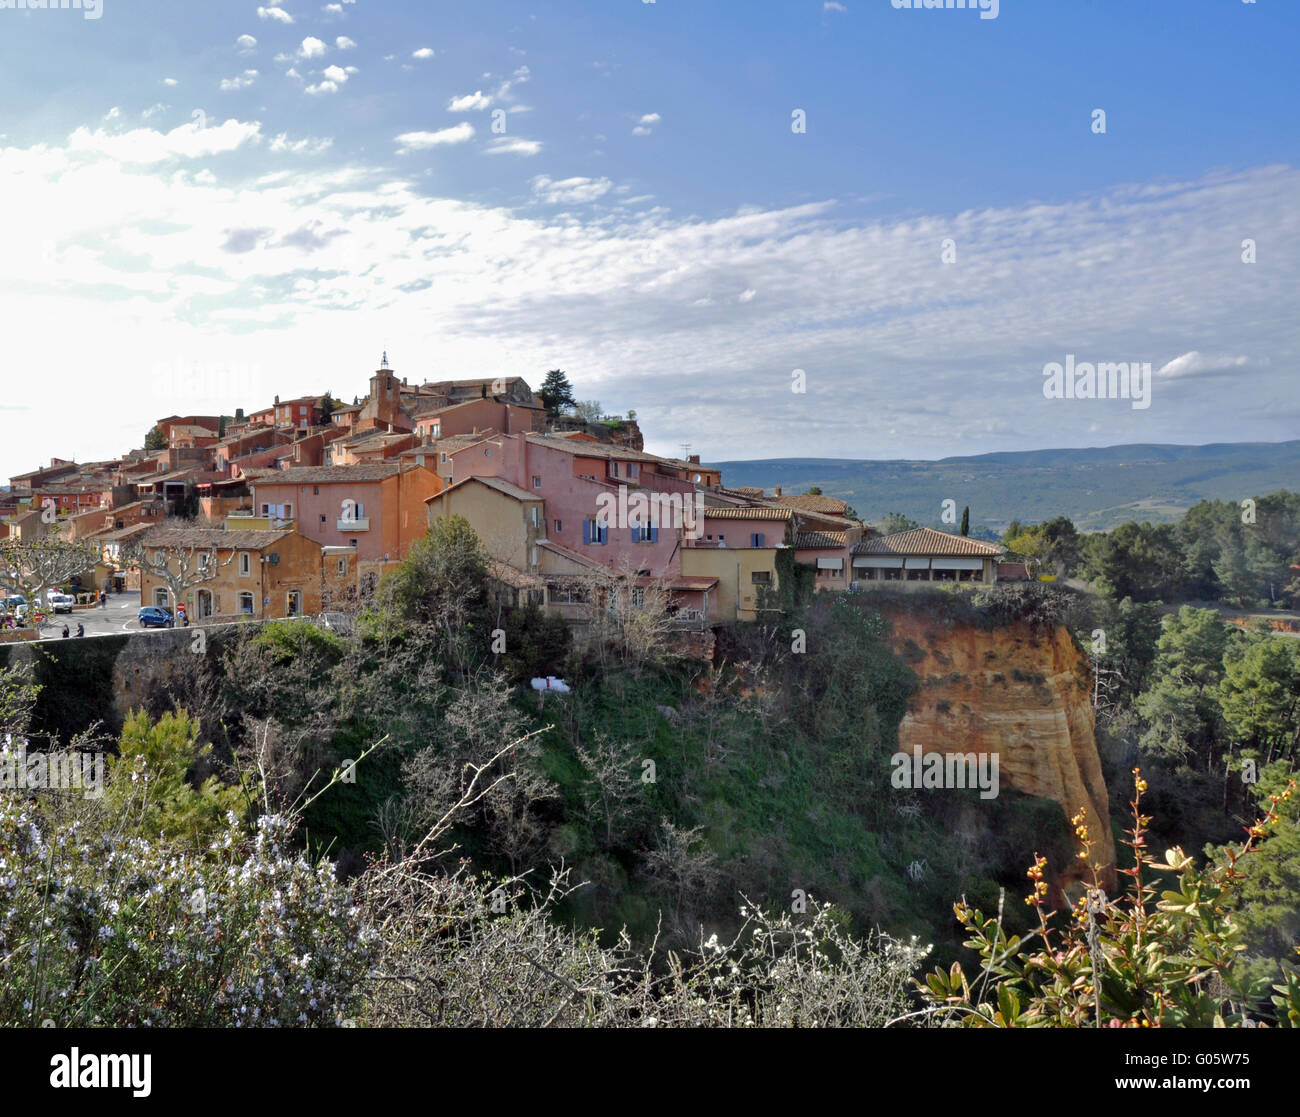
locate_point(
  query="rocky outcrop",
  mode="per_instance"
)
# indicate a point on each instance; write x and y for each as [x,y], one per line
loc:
[1020,692]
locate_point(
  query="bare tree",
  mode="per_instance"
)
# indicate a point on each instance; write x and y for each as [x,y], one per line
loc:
[615,788]
[32,566]
[166,557]
[631,616]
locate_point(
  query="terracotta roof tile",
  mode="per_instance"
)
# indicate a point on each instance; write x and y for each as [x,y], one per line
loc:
[925,541]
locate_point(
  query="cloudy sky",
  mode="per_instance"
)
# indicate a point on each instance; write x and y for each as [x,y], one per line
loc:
[203,205]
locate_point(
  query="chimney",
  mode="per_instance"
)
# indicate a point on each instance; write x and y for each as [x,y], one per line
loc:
[694,459]
[277,399]
[778,490]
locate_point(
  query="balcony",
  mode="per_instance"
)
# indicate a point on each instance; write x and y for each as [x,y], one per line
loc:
[361,523]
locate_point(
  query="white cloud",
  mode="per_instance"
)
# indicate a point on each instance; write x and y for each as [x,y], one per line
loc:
[322,87]
[305,146]
[505,145]
[333,9]
[153,110]
[170,81]
[136,230]
[422,53]
[570,191]
[469,102]
[519,77]
[646,124]
[276,13]
[344,43]
[246,44]
[146,146]
[1199,364]
[421,141]
[113,113]
[747,295]
[312,47]
[239,81]
[832,6]
[338,74]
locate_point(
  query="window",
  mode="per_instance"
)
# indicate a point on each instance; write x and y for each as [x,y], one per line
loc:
[761,577]
[343,566]
[292,603]
[487,453]
[160,597]
[315,490]
[646,533]
[535,515]
[245,563]
[633,470]
[205,560]
[613,469]
[559,527]
[756,540]
[322,517]
[537,482]
[444,457]
[246,602]
[595,532]
[638,596]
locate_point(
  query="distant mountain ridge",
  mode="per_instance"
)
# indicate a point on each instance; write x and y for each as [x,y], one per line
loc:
[1097,487]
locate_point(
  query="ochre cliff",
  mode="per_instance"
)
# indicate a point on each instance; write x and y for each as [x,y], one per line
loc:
[1018,692]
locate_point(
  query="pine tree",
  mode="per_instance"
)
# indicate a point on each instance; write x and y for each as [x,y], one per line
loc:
[965,520]
[556,393]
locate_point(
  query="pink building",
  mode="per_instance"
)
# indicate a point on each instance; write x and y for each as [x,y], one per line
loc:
[577,482]
[377,509]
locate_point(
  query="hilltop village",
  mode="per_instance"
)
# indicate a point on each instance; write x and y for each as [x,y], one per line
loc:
[300,507]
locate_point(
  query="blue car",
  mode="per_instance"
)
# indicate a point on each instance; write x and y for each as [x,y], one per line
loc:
[151,616]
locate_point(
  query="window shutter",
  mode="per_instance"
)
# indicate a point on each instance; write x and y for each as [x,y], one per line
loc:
[654,532]
[636,534]
[586,531]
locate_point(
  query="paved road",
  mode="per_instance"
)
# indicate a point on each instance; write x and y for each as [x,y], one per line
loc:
[117,617]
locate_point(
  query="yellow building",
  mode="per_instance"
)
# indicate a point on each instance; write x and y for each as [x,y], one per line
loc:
[741,573]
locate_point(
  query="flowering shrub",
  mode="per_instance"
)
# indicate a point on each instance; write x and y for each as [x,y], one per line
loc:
[1131,962]
[103,928]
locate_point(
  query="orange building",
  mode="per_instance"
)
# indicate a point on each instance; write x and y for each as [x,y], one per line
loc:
[256,573]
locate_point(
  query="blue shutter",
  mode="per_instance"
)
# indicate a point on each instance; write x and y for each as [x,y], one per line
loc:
[586,531]
[758,539]
[654,532]
[604,534]
[636,535]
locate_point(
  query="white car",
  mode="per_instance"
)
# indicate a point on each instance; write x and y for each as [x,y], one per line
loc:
[61,602]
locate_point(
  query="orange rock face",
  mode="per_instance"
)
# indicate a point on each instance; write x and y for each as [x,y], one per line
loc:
[1021,694]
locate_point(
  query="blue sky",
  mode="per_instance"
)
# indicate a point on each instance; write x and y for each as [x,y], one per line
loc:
[207,204]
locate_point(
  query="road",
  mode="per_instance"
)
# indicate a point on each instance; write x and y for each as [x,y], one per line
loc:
[115,618]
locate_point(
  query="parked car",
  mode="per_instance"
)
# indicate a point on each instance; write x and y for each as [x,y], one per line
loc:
[61,602]
[154,616]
